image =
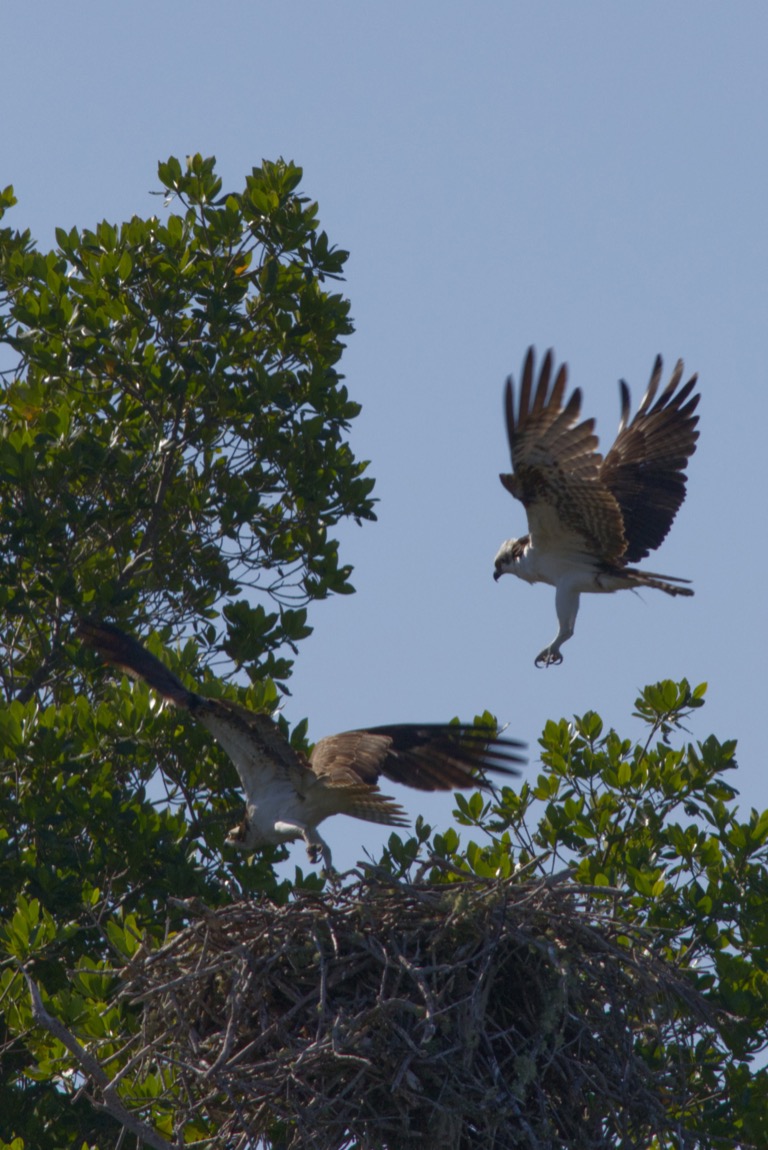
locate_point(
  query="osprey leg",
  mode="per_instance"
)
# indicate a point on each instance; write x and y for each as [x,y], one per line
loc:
[567,607]
[318,848]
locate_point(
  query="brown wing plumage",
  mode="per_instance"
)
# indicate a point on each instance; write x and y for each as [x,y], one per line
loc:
[645,468]
[429,757]
[556,466]
[342,772]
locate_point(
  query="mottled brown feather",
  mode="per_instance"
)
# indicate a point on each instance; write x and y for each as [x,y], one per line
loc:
[556,467]
[429,756]
[619,508]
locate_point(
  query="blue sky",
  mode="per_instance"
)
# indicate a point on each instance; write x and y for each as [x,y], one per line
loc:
[592,177]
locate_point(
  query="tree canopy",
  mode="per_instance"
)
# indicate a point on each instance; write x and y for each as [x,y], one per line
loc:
[589,969]
[174,428]
[173,451]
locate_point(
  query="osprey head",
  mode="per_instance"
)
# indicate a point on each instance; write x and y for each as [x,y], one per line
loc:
[238,836]
[507,557]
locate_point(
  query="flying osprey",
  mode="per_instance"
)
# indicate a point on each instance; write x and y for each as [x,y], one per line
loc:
[288,794]
[589,517]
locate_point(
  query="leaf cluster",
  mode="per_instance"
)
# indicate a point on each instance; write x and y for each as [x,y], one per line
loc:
[173,433]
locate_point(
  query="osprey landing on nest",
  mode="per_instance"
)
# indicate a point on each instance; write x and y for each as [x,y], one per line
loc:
[590,517]
[287,794]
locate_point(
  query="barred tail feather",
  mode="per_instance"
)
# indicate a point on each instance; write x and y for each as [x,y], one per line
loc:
[363,802]
[669,583]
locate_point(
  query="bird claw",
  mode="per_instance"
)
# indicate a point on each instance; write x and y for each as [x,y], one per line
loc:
[314,853]
[328,871]
[548,658]
[319,851]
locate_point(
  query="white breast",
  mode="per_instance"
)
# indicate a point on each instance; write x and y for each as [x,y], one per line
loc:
[555,567]
[272,817]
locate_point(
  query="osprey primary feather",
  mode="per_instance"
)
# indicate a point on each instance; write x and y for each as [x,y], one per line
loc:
[590,517]
[288,794]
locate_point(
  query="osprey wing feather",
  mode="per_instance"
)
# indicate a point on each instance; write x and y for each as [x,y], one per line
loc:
[645,468]
[589,517]
[288,795]
[557,466]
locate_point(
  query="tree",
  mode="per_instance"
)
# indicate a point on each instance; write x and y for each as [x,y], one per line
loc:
[174,426]
[591,972]
[173,450]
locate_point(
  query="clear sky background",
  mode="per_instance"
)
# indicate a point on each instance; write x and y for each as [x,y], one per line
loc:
[590,176]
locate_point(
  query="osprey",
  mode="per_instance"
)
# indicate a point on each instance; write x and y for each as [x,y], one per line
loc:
[590,517]
[288,794]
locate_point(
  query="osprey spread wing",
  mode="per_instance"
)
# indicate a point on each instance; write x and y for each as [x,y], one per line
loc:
[590,517]
[288,794]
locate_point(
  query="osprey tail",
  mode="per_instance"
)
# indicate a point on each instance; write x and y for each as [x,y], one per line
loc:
[128,655]
[669,583]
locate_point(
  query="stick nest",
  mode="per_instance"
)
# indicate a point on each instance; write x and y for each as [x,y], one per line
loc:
[492,1015]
